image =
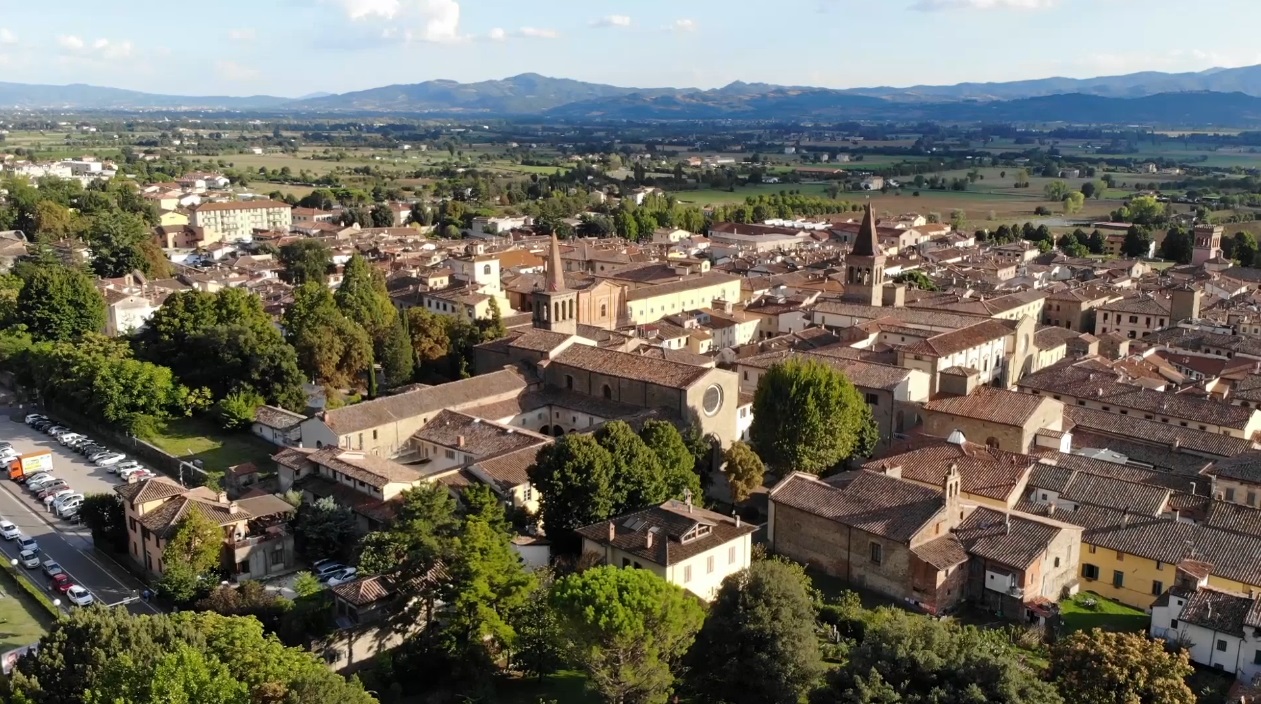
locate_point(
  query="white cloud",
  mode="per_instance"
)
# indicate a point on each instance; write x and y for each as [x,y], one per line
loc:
[233,71]
[497,34]
[941,5]
[243,34]
[612,21]
[537,33]
[7,37]
[409,20]
[77,48]
[683,25]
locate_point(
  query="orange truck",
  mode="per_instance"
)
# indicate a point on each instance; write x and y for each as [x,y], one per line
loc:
[29,463]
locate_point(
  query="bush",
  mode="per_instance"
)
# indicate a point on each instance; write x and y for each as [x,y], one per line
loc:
[236,410]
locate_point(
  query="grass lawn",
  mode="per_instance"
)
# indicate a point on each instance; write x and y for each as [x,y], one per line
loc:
[22,621]
[711,196]
[1106,614]
[194,438]
[567,686]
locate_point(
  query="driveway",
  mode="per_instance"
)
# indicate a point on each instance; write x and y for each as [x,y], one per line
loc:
[68,543]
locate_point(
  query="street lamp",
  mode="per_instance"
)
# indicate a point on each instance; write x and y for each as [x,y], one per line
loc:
[57,603]
[13,561]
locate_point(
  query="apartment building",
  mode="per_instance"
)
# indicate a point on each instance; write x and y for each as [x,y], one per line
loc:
[240,219]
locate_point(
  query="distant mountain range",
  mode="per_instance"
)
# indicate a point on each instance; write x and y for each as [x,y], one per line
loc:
[1213,97]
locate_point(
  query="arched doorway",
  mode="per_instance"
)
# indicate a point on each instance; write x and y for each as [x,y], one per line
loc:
[557,431]
[545,430]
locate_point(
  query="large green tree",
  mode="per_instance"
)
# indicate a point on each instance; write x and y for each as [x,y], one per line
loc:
[306,261]
[192,558]
[363,298]
[1101,667]
[325,529]
[627,629]
[103,515]
[330,346]
[744,469]
[59,303]
[575,480]
[1176,247]
[1245,249]
[398,359]
[806,416]
[1137,243]
[117,242]
[904,658]
[678,466]
[638,478]
[758,644]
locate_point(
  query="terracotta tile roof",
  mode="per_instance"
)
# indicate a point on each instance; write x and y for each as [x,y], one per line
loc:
[278,418]
[153,489]
[508,470]
[942,553]
[992,405]
[1141,305]
[913,317]
[956,341]
[456,394]
[293,457]
[984,471]
[690,283]
[1245,467]
[1219,611]
[360,503]
[164,519]
[239,205]
[868,375]
[671,526]
[1116,494]
[891,508]
[1234,517]
[1006,538]
[364,591]
[361,466]
[1150,432]
[630,366]
[477,437]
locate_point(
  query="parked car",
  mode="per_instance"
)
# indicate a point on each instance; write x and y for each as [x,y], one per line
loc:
[52,489]
[28,478]
[43,424]
[124,466]
[91,448]
[25,542]
[60,583]
[60,499]
[8,530]
[72,516]
[6,446]
[140,474]
[50,499]
[29,559]
[110,459]
[55,430]
[52,569]
[79,442]
[328,568]
[34,418]
[347,575]
[94,456]
[79,596]
[68,438]
[129,472]
[70,506]
[35,486]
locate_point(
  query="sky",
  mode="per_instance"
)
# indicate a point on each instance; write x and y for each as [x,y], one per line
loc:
[298,47]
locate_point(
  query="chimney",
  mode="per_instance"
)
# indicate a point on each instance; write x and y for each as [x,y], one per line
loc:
[233,508]
[612,531]
[648,540]
[222,497]
[737,520]
[1176,444]
[459,441]
[1007,523]
[1125,517]
[1210,609]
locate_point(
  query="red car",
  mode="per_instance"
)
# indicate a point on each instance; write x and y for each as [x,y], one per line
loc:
[62,583]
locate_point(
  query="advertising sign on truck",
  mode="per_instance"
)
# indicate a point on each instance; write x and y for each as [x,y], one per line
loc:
[30,463]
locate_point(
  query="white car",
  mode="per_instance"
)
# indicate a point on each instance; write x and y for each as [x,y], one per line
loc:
[26,542]
[34,418]
[30,559]
[8,531]
[343,576]
[61,499]
[110,459]
[52,498]
[124,466]
[70,506]
[67,438]
[79,596]
[129,472]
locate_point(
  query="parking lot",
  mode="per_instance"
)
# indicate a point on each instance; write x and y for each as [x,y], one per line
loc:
[70,544]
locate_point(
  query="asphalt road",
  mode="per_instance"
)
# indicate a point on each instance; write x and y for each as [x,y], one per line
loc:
[68,543]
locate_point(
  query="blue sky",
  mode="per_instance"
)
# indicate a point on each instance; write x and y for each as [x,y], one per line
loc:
[295,47]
